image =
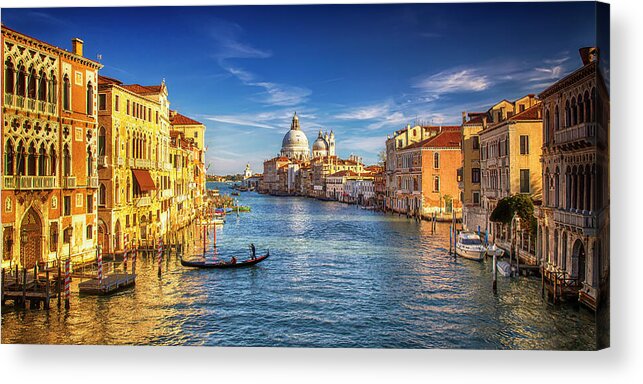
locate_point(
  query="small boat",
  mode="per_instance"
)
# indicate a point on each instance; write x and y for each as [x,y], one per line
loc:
[224,264]
[503,268]
[493,250]
[470,246]
[235,193]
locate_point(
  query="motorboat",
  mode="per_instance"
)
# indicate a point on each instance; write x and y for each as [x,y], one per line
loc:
[469,246]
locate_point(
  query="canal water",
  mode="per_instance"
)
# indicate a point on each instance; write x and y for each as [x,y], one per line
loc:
[338,276]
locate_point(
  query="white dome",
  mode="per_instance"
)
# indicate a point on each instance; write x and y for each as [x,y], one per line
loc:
[320,145]
[295,139]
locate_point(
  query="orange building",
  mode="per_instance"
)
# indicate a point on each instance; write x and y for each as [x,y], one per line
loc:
[49,183]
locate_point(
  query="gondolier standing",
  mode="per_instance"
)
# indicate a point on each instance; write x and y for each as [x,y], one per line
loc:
[253,250]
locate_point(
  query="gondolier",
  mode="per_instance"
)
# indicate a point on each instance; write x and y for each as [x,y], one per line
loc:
[253,250]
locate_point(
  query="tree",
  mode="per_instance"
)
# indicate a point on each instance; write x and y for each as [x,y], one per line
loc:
[519,205]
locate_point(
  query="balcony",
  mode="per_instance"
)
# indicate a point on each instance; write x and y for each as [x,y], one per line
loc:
[130,162]
[69,182]
[142,163]
[93,182]
[585,221]
[29,182]
[579,135]
[29,104]
[144,201]
[103,161]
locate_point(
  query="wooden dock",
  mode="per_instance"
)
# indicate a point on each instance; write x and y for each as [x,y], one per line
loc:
[110,284]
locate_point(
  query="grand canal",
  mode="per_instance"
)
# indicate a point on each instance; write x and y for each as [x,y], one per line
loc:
[338,276]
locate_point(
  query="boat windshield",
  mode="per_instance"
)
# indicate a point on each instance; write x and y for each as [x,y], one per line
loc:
[470,241]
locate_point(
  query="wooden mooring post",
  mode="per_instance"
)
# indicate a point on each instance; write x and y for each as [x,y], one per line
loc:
[495,274]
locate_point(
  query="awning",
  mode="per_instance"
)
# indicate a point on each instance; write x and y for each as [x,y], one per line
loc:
[144,180]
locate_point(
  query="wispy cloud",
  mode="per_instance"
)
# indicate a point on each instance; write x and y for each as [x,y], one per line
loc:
[366,112]
[235,120]
[228,38]
[452,81]
[274,93]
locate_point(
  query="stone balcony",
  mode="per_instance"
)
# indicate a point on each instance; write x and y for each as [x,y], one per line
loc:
[102,161]
[29,104]
[143,201]
[93,182]
[586,221]
[29,182]
[582,134]
[69,182]
[142,163]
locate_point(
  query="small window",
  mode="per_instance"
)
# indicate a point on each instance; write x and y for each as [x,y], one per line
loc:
[524,145]
[436,183]
[476,198]
[116,102]
[128,107]
[102,102]
[475,175]
[524,181]
[196,134]
[522,107]
[475,141]
[67,205]
[67,235]
[90,203]
[436,160]
[90,232]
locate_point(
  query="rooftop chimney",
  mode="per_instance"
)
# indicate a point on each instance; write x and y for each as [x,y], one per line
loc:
[464,117]
[77,46]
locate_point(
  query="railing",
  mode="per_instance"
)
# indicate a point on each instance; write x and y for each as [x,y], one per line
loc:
[120,161]
[29,182]
[69,182]
[130,162]
[93,182]
[583,131]
[142,163]
[579,220]
[144,201]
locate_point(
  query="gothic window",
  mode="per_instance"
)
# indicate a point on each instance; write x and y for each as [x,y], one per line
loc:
[101,141]
[102,192]
[588,107]
[22,81]
[90,99]
[556,119]
[66,93]
[21,160]
[31,86]
[42,161]
[9,77]
[568,114]
[66,161]
[52,89]
[581,110]
[52,161]
[546,127]
[42,87]
[9,157]
[89,161]
[574,112]
[31,161]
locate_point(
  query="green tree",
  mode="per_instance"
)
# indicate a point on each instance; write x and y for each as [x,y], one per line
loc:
[519,205]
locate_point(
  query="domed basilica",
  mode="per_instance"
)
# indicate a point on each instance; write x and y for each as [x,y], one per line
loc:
[295,143]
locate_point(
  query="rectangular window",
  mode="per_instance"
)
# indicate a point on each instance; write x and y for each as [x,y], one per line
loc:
[522,107]
[524,145]
[90,203]
[126,221]
[79,200]
[128,107]
[475,141]
[476,197]
[196,134]
[157,117]
[116,102]
[67,235]
[475,175]
[90,232]
[524,181]
[67,205]
[436,183]
[102,102]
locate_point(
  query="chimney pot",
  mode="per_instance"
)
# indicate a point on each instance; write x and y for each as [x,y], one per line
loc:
[77,46]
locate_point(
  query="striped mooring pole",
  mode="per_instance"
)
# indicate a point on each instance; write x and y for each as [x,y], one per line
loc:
[67,281]
[134,254]
[100,266]
[160,255]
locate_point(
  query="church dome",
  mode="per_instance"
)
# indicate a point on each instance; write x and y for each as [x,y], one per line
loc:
[320,144]
[295,139]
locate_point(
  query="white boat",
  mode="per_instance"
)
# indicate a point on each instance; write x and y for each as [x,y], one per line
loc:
[469,246]
[494,250]
[504,268]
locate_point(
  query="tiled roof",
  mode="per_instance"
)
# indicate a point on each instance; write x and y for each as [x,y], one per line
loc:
[343,173]
[108,80]
[532,113]
[142,89]
[449,138]
[179,119]
[477,118]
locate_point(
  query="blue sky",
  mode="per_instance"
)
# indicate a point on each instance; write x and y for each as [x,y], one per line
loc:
[360,70]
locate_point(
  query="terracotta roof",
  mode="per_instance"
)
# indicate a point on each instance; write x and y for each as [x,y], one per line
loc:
[108,80]
[343,173]
[142,89]
[476,119]
[447,139]
[179,119]
[531,113]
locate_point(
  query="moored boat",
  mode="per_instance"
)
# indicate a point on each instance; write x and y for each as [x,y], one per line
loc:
[503,268]
[469,246]
[223,264]
[493,250]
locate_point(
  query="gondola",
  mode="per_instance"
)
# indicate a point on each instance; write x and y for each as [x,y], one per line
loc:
[224,264]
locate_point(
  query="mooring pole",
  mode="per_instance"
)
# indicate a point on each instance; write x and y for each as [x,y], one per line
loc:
[495,274]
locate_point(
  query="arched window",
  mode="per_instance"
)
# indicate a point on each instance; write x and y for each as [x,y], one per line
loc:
[101,141]
[581,110]
[117,192]
[546,126]
[557,188]
[9,157]
[52,161]
[66,93]
[9,77]
[21,160]
[90,99]
[593,103]
[574,112]
[42,161]
[102,198]
[588,107]
[546,191]
[436,160]
[31,87]
[556,119]
[128,192]
[22,81]
[89,161]
[42,87]
[568,115]
[52,88]
[66,161]
[31,161]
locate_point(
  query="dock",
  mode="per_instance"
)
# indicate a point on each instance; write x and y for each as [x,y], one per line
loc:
[109,284]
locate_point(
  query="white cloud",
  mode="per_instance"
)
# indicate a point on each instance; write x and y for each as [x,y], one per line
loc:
[451,81]
[275,94]
[366,113]
[236,120]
